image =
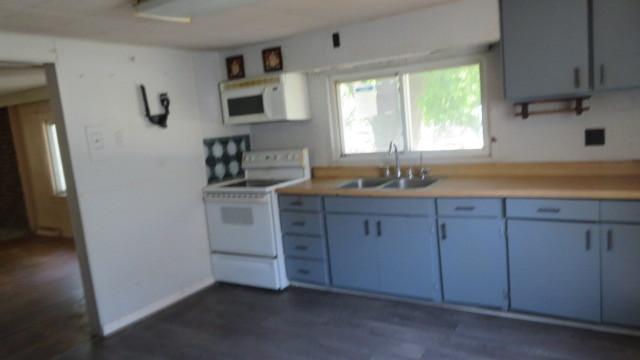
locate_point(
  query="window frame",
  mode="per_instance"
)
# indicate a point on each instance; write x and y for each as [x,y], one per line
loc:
[56,167]
[402,73]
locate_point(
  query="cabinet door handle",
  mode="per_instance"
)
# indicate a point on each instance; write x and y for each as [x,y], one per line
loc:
[602,74]
[443,231]
[304,271]
[609,240]
[366,228]
[296,203]
[548,211]
[379,228]
[577,78]
[302,247]
[298,223]
[588,241]
[465,208]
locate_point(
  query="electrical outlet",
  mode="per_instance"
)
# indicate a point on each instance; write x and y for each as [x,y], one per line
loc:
[594,137]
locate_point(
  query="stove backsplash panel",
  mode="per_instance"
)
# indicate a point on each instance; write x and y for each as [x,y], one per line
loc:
[224,157]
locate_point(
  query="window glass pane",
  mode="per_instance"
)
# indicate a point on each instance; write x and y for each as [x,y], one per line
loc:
[446,109]
[59,180]
[370,115]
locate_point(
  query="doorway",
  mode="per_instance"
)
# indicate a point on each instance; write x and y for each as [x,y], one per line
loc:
[44,311]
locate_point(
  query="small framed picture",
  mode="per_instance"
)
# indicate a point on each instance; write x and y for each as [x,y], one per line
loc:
[272,59]
[235,67]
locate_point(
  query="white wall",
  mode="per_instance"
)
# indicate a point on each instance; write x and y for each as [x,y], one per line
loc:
[458,25]
[140,198]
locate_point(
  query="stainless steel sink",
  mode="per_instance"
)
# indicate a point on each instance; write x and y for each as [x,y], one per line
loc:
[409,183]
[365,183]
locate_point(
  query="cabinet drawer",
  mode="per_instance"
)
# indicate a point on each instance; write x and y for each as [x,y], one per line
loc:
[308,271]
[302,203]
[620,211]
[305,246]
[470,207]
[585,210]
[302,223]
[386,206]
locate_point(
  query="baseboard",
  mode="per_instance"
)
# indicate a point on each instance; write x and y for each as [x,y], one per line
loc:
[128,320]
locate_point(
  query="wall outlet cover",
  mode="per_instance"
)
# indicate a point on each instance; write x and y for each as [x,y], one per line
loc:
[594,137]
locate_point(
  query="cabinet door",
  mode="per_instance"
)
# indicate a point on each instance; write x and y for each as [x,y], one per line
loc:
[616,44]
[545,48]
[620,270]
[473,253]
[353,252]
[408,256]
[555,268]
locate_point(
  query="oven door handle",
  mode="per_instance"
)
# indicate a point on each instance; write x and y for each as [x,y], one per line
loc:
[235,200]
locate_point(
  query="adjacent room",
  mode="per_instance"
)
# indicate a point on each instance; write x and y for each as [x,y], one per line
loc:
[307,179]
[43,306]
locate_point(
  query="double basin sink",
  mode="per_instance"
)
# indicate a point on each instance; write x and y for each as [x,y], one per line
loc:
[386,183]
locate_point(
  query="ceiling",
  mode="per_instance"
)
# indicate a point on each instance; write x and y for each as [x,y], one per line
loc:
[19,78]
[114,20]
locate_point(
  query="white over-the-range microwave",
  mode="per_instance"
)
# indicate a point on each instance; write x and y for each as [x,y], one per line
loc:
[279,97]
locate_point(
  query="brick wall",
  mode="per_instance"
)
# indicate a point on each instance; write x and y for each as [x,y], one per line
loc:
[12,209]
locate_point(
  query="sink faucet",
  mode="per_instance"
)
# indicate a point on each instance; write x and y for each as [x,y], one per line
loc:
[393,147]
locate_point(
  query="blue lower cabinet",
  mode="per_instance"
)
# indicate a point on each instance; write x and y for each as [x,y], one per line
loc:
[353,252]
[307,271]
[473,253]
[620,247]
[555,268]
[408,257]
[394,255]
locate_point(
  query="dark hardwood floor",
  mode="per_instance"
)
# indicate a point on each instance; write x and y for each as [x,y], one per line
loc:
[229,322]
[42,308]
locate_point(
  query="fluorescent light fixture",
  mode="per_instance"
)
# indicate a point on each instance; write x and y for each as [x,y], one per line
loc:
[182,11]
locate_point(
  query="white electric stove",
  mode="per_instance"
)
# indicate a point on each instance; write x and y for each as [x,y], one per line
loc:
[244,222]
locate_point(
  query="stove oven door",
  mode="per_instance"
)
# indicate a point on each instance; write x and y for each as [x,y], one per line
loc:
[241,224]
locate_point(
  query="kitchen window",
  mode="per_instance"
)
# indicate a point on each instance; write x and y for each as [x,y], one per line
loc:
[438,110]
[57,172]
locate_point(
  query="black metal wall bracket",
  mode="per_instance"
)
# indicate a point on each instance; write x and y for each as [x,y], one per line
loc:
[160,119]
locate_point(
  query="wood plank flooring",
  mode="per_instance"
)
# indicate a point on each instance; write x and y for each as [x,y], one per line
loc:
[42,308]
[230,322]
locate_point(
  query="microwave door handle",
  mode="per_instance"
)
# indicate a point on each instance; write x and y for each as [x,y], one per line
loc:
[266,102]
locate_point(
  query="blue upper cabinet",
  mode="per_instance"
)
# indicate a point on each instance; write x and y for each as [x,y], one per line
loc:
[620,270]
[545,46]
[555,268]
[473,254]
[616,44]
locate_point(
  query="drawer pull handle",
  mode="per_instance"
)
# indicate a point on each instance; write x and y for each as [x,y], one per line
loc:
[577,78]
[588,241]
[609,240]
[366,228]
[298,223]
[379,228]
[304,271]
[465,208]
[297,203]
[302,247]
[443,231]
[548,210]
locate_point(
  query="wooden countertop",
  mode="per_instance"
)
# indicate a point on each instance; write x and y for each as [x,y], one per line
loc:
[561,187]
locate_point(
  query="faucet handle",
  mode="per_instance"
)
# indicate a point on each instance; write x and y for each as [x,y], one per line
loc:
[387,171]
[410,173]
[424,173]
